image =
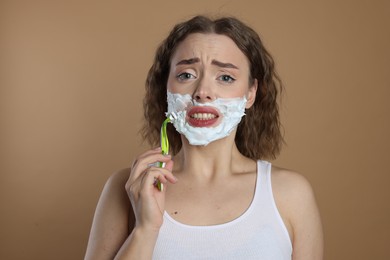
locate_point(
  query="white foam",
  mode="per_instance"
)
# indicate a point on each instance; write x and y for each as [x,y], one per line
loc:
[231,109]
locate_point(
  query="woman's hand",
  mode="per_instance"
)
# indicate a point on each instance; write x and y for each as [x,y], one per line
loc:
[147,201]
[110,238]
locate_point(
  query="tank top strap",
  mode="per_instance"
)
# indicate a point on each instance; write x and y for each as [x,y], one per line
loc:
[263,177]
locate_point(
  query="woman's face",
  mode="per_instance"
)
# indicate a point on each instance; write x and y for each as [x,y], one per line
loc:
[210,66]
[208,87]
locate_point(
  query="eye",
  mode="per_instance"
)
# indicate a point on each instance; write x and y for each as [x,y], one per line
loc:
[227,78]
[185,76]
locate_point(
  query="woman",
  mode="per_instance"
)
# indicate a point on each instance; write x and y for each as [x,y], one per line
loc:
[218,200]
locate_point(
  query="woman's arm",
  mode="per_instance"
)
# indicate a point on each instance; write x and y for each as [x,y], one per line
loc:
[113,219]
[306,222]
[296,202]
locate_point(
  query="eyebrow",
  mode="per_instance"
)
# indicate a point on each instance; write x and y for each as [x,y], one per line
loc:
[214,62]
[188,61]
[224,65]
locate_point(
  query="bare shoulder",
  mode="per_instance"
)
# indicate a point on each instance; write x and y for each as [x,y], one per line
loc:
[112,220]
[290,183]
[114,192]
[292,192]
[295,199]
[114,195]
[118,179]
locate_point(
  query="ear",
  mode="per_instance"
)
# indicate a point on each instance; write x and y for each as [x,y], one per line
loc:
[251,96]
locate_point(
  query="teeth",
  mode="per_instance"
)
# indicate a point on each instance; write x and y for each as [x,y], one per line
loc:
[203,116]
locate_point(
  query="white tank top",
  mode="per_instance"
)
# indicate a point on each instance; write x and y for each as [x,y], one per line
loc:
[259,233]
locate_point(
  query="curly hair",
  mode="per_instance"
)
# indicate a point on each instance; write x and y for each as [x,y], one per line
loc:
[259,132]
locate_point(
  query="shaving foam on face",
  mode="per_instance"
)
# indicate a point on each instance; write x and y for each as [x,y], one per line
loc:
[231,110]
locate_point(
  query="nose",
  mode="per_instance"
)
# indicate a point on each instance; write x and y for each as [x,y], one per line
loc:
[204,92]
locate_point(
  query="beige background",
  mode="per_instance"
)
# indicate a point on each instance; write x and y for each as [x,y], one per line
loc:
[72,76]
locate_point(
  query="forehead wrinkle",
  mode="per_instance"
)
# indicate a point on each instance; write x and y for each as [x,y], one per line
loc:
[197,51]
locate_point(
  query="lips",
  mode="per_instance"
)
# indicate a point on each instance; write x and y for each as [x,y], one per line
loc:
[202,116]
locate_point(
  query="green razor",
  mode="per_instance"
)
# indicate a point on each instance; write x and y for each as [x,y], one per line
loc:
[164,146]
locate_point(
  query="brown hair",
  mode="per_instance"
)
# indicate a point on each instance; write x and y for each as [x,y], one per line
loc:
[259,132]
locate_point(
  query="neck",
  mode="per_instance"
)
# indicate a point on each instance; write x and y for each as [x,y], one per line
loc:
[214,160]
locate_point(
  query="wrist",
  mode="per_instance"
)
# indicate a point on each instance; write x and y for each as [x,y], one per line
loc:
[148,233]
[139,245]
